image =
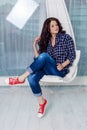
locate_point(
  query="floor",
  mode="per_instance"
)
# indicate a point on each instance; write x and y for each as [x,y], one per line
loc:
[66,108]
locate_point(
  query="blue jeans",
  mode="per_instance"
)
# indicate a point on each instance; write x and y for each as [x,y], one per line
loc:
[44,64]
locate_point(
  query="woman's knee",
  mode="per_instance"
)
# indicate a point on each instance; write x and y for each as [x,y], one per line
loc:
[43,55]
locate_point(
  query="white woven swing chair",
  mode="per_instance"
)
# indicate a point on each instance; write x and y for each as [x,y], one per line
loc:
[68,78]
[53,10]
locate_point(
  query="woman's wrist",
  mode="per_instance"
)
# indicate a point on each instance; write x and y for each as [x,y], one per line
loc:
[64,64]
[34,45]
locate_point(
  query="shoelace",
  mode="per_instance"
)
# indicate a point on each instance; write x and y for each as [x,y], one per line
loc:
[41,108]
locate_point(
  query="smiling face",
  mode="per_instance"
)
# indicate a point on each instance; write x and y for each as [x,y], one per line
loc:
[54,28]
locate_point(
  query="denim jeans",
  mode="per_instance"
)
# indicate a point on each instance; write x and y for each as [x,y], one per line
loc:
[44,64]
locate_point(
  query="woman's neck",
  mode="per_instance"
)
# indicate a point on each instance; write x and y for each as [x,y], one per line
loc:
[53,36]
[53,40]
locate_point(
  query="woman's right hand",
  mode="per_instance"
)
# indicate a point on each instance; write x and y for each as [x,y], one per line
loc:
[36,40]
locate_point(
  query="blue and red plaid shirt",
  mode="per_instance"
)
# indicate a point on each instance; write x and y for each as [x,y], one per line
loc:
[64,49]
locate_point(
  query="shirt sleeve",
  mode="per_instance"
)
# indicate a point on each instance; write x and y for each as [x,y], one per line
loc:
[71,48]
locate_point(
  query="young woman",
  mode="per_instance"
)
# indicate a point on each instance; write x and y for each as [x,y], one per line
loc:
[55,55]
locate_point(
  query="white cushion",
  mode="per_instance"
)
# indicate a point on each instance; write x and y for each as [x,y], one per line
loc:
[74,66]
[77,58]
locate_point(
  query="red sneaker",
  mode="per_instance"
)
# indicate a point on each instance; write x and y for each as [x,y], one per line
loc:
[13,81]
[42,109]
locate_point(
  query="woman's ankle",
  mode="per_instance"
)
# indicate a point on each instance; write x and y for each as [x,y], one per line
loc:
[21,78]
[41,100]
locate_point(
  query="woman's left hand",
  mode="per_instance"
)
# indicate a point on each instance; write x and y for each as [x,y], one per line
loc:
[60,67]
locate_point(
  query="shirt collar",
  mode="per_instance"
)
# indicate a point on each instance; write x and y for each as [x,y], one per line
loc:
[56,39]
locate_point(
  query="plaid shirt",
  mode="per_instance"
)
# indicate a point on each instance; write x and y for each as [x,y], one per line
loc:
[63,49]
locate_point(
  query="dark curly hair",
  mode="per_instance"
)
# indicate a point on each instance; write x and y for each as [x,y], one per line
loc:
[46,35]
